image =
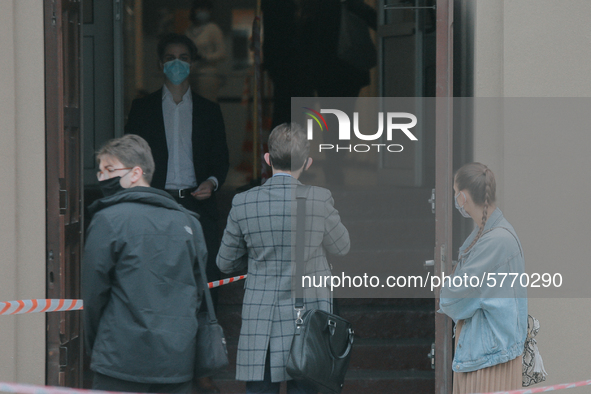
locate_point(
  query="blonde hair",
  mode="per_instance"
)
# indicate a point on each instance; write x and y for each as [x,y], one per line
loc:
[288,147]
[132,151]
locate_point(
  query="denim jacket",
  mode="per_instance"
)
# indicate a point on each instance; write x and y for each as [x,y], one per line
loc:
[495,317]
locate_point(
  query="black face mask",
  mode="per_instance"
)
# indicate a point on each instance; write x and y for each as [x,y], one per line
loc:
[110,186]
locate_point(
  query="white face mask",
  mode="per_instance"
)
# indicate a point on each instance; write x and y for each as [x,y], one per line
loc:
[461,208]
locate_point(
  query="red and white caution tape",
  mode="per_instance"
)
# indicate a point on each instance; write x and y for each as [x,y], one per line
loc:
[34,389]
[60,305]
[225,281]
[39,306]
[544,389]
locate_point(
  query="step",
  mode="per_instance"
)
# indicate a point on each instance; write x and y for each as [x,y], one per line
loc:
[386,322]
[411,303]
[369,321]
[391,354]
[387,382]
[374,382]
[375,353]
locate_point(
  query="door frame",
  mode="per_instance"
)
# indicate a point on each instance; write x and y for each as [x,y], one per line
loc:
[443,187]
[63,169]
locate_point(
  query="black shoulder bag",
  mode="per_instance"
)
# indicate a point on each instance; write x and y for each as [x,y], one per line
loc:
[321,346]
[211,353]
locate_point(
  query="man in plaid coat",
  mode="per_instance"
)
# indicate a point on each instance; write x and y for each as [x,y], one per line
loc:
[260,235]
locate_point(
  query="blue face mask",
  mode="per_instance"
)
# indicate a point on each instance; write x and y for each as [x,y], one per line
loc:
[461,209]
[177,71]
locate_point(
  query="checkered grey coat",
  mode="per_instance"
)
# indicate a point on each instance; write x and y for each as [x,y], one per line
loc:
[260,234]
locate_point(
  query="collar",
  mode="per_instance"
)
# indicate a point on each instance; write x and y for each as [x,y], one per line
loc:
[187,97]
[138,194]
[282,180]
[494,219]
[282,174]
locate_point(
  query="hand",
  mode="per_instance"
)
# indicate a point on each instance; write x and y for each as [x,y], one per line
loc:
[204,190]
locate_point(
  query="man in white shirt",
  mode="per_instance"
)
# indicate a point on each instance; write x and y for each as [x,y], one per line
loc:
[188,140]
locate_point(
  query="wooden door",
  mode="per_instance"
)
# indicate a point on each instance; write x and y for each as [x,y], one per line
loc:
[63,183]
[443,187]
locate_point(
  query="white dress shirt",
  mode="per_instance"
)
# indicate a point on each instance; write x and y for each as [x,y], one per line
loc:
[178,124]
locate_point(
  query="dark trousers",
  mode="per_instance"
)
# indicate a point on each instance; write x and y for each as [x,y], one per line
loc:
[107,383]
[267,387]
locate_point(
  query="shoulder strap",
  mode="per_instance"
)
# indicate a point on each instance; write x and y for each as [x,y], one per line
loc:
[301,196]
[488,231]
[510,232]
[207,293]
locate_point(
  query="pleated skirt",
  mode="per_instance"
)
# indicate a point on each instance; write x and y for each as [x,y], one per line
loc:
[500,377]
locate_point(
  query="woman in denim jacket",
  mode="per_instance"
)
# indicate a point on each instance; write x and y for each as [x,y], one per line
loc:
[491,320]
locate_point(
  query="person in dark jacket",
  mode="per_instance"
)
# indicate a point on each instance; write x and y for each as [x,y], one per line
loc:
[187,136]
[140,278]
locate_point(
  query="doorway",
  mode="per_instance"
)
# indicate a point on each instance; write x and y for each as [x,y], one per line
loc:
[119,64]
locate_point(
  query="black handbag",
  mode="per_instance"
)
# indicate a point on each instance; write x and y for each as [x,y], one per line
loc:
[211,353]
[321,346]
[355,45]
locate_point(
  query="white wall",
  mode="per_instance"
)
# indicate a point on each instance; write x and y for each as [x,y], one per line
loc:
[22,190]
[541,48]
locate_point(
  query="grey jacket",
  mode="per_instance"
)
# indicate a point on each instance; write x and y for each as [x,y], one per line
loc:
[259,235]
[141,287]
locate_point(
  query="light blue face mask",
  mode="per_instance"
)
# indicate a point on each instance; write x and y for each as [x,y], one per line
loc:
[461,209]
[177,71]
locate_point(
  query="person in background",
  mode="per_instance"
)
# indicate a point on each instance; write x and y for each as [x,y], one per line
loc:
[300,51]
[141,282]
[188,140]
[258,236]
[209,40]
[491,321]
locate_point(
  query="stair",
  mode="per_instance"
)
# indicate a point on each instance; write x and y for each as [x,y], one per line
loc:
[394,230]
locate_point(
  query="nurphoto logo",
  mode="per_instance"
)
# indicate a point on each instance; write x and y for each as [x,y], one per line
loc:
[395,122]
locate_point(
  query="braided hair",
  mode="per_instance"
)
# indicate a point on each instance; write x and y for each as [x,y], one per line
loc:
[480,182]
